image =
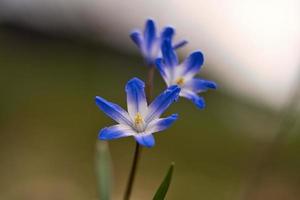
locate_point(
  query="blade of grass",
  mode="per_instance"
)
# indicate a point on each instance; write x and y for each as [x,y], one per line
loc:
[103,170]
[163,188]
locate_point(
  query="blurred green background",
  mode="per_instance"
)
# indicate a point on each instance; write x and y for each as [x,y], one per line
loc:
[49,125]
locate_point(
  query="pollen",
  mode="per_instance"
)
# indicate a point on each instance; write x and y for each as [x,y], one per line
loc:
[180,81]
[138,119]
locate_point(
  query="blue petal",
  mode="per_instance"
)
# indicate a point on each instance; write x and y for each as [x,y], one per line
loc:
[146,140]
[199,85]
[161,124]
[209,84]
[180,44]
[113,110]
[161,67]
[193,63]
[149,33]
[136,99]
[197,100]
[115,132]
[136,37]
[167,33]
[169,53]
[162,102]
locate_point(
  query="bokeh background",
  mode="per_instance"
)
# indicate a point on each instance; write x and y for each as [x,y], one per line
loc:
[56,56]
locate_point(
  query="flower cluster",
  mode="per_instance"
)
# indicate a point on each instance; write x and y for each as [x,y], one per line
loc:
[143,118]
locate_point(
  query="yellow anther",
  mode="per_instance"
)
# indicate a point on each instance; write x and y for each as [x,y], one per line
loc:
[180,81]
[138,119]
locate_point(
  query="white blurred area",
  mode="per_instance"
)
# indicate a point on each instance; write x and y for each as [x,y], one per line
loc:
[251,46]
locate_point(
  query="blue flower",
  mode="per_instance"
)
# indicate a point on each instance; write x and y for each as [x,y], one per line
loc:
[150,42]
[142,119]
[183,74]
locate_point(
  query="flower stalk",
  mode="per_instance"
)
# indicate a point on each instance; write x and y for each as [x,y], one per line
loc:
[149,83]
[138,148]
[133,171]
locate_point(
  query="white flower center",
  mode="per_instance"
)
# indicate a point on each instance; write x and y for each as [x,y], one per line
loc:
[180,81]
[139,122]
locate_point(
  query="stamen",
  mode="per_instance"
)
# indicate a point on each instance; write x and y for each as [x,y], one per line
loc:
[139,123]
[138,119]
[180,81]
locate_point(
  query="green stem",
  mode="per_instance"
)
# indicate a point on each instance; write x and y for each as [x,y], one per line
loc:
[138,148]
[150,84]
[133,170]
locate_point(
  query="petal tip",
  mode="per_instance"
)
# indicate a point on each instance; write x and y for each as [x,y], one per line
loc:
[99,100]
[212,85]
[135,36]
[180,44]
[174,116]
[200,103]
[170,28]
[134,33]
[150,21]
[134,82]
[168,33]
[198,55]
[145,140]
[150,26]
[102,134]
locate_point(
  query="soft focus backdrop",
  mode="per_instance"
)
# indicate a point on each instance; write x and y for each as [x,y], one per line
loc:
[55,56]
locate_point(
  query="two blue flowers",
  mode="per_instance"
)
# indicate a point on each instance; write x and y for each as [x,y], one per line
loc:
[143,118]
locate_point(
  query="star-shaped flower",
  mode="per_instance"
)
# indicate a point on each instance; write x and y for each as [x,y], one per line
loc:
[182,74]
[141,120]
[149,42]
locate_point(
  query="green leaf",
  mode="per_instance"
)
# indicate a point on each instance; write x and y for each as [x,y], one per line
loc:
[163,188]
[103,170]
